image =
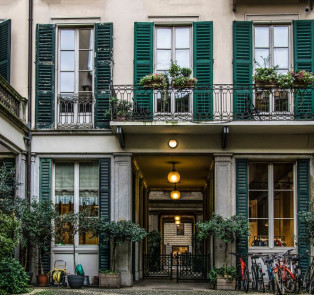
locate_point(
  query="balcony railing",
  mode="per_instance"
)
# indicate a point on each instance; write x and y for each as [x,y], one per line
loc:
[12,100]
[75,111]
[212,103]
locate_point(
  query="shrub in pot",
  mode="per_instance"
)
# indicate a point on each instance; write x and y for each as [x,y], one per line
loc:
[117,233]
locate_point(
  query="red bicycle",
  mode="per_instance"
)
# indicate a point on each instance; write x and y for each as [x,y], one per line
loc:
[243,279]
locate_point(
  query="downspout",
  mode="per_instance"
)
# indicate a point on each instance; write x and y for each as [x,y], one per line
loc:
[30,100]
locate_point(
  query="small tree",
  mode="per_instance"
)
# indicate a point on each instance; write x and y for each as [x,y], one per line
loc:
[307,235]
[73,223]
[119,232]
[224,229]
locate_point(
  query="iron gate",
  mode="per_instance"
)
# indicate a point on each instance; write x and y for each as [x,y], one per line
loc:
[179,267]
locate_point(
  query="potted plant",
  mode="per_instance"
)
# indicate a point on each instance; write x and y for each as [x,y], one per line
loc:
[120,109]
[226,230]
[155,81]
[302,78]
[117,233]
[180,77]
[36,226]
[222,278]
[69,225]
[154,239]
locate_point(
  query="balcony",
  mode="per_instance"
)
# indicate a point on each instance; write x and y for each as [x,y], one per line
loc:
[215,103]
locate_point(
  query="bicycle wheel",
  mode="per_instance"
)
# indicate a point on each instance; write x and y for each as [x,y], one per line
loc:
[308,281]
[246,281]
[278,283]
[311,284]
[254,278]
[298,280]
[289,283]
[260,282]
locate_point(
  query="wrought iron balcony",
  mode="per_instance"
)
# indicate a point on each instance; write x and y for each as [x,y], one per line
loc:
[11,100]
[212,103]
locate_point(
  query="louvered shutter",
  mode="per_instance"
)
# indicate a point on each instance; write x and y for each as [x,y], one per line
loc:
[143,65]
[303,195]
[203,70]
[103,72]
[242,195]
[45,195]
[45,76]
[104,208]
[303,31]
[10,165]
[5,49]
[242,70]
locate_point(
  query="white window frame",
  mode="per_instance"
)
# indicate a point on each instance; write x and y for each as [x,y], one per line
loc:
[271,219]
[173,26]
[75,113]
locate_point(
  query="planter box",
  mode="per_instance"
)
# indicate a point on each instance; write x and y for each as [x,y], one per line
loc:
[225,284]
[111,281]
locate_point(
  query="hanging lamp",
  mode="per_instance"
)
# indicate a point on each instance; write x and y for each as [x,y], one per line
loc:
[175,194]
[173,175]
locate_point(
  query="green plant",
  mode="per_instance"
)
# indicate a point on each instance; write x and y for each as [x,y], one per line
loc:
[302,77]
[108,272]
[13,278]
[179,81]
[154,239]
[186,72]
[174,69]
[224,229]
[226,272]
[73,223]
[155,80]
[119,107]
[285,80]
[119,232]
[266,75]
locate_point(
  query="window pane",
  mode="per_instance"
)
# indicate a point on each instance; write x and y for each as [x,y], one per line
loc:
[67,82]
[281,57]
[163,59]
[182,102]
[283,204]
[163,38]
[262,101]
[85,39]
[88,176]
[262,58]
[261,36]
[182,38]
[183,58]
[281,37]
[67,60]
[86,60]
[259,233]
[258,204]
[284,232]
[283,176]
[258,176]
[281,101]
[86,81]
[67,40]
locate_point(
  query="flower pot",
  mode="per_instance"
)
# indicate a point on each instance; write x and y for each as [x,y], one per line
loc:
[75,281]
[111,281]
[299,84]
[225,284]
[153,85]
[121,117]
[259,84]
[42,281]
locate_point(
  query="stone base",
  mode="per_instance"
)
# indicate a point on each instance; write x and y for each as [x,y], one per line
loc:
[111,281]
[225,284]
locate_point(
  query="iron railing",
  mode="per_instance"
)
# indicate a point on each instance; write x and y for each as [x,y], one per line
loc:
[210,103]
[75,111]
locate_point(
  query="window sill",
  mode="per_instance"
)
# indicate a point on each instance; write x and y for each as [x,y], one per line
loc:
[267,250]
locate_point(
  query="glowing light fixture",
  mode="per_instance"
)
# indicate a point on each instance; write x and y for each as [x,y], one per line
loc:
[177,217]
[172,143]
[175,194]
[177,222]
[173,175]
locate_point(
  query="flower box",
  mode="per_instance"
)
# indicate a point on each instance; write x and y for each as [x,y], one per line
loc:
[225,284]
[111,281]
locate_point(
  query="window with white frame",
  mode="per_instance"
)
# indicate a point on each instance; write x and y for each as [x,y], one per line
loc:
[76,188]
[173,43]
[271,204]
[75,76]
[272,48]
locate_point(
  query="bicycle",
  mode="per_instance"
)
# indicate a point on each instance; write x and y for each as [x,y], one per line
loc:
[308,281]
[297,271]
[257,274]
[268,261]
[243,279]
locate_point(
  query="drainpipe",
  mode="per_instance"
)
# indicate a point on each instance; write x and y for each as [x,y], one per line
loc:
[30,104]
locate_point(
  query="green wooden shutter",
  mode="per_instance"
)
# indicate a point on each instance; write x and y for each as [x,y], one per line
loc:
[242,69]
[203,70]
[303,195]
[104,208]
[45,194]
[242,195]
[5,49]
[143,65]
[303,31]
[9,164]
[45,76]
[103,72]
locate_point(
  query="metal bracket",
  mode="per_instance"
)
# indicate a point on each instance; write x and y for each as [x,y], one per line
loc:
[121,136]
[224,135]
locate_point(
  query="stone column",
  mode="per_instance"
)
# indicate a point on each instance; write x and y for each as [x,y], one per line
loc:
[137,213]
[224,198]
[122,210]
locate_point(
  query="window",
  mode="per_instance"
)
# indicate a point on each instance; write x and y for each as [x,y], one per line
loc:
[180,229]
[173,44]
[272,48]
[76,188]
[75,77]
[271,204]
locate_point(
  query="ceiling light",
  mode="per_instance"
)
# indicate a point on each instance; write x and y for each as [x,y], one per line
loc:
[173,175]
[177,217]
[177,222]
[175,194]
[172,143]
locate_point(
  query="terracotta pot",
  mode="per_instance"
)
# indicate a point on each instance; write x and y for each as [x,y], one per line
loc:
[42,281]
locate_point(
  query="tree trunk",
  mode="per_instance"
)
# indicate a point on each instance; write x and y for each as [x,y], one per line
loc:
[226,251]
[40,262]
[114,256]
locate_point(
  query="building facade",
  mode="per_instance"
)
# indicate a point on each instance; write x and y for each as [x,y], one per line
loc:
[81,131]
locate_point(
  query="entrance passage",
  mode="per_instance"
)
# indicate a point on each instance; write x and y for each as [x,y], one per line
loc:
[180,266]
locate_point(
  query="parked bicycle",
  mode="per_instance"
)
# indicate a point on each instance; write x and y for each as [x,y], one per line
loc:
[257,274]
[243,279]
[268,261]
[308,281]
